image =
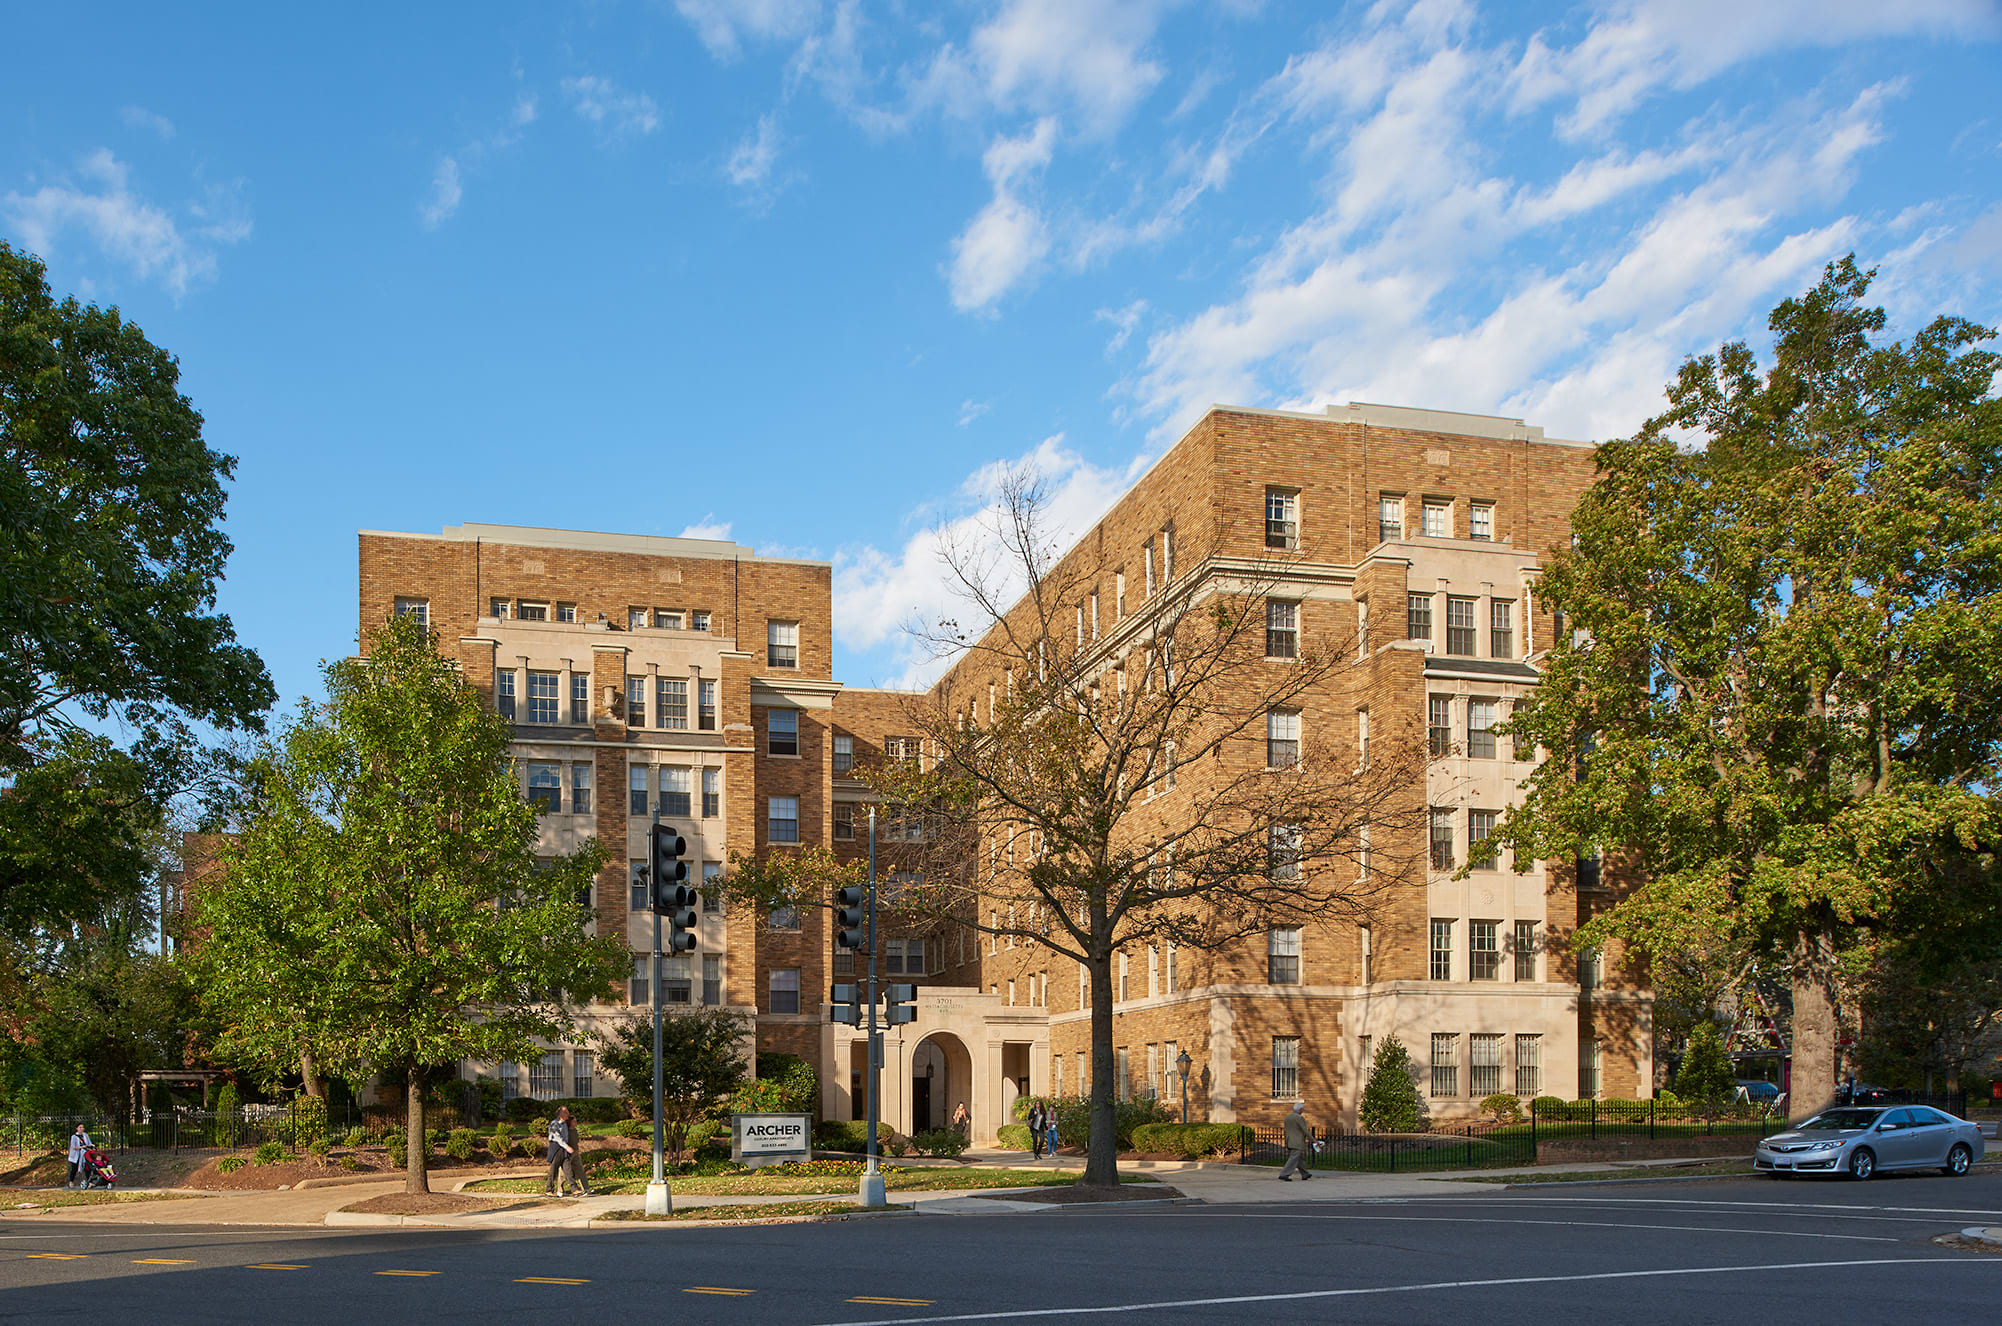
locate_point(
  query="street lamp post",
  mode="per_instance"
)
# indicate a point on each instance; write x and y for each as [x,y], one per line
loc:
[1184,1063]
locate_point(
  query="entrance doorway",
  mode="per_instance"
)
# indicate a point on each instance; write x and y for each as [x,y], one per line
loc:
[941,1081]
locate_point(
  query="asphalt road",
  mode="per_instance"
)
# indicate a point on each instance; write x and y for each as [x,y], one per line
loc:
[1771,1253]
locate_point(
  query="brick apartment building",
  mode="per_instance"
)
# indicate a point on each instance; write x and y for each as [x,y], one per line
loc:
[693,677]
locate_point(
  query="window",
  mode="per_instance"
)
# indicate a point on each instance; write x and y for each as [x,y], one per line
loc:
[1481,521]
[580,697]
[580,788]
[1173,967]
[1362,628]
[1484,1055]
[636,794]
[1282,519]
[635,618]
[705,705]
[1282,955]
[1362,737]
[712,888]
[542,704]
[674,800]
[785,990]
[1011,993]
[671,703]
[545,786]
[666,621]
[1439,725]
[1363,938]
[1484,954]
[636,702]
[1364,1051]
[698,621]
[1147,559]
[1482,852]
[906,957]
[1418,616]
[712,979]
[1282,850]
[1481,729]
[636,888]
[418,608]
[1588,874]
[712,793]
[1122,1071]
[1438,520]
[1150,1084]
[498,609]
[1442,839]
[1119,596]
[1525,950]
[1124,973]
[1590,1054]
[1460,626]
[1057,1074]
[782,731]
[1528,1067]
[566,612]
[782,644]
[583,1073]
[1389,518]
[1445,1064]
[900,750]
[504,693]
[782,820]
[1501,628]
[1363,849]
[1153,970]
[1285,1067]
[844,821]
[844,755]
[1441,965]
[510,1080]
[782,918]
[545,1075]
[1282,738]
[1282,629]
[1588,969]
[533,612]
[1167,553]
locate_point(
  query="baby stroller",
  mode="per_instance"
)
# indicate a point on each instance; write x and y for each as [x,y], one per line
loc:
[97,1171]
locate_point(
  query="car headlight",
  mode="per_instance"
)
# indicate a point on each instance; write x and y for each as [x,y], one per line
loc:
[1826,1146]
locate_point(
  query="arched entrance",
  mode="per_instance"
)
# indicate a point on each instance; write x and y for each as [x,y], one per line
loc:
[941,1081]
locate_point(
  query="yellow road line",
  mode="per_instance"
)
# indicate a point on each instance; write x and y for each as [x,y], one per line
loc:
[406,1273]
[548,1280]
[893,1302]
[60,1256]
[163,1261]
[273,1266]
[716,1289]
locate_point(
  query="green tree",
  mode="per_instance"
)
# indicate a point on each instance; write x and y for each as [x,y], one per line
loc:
[701,1062]
[1390,1100]
[1779,695]
[383,905]
[1705,1077]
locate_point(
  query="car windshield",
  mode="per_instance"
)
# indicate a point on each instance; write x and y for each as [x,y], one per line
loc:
[1829,1121]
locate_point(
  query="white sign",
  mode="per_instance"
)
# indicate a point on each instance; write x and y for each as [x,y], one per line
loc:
[764,1139]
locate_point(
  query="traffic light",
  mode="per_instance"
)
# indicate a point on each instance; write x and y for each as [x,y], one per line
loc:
[672,897]
[900,1004]
[847,1005]
[851,922]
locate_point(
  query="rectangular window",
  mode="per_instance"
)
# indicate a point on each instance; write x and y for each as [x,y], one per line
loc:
[636,619]
[580,697]
[1151,1083]
[639,989]
[636,888]
[1125,973]
[635,701]
[545,787]
[1282,738]
[636,790]
[1460,632]
[1501,628]
[498,609]
[418,608]
[1445,1064]
[712,979]
[712,888]
[705,705]
[1418,616]
[1282,955]
[1282,629]
[674,799]
[1389,518]
[1481,521]
[712,793]
[1057,1074]
[900,750]
[1588,969]
[1364,1049]
[1481,729]
[782,731]
[664,620]
[1588,874]
[1484,953]
[844,821]
[1173,967]
[671,704]
[1590,1054]
[533,612]
[785,990]
[1482,854]
[1167,554]
[542,704]
[1363,938]
[1528,1067]
[583,1074]
[504,693]
[1484,1056]
[1282,519]
[1438,520]
[580,788]
[1285,1067]
[1122,1072]
[1282,849]
[844,755]
[1147,559]
[545,1075]
[1362,736]
[1439,725]
[677,980]
[566,612]
[1441,966]
[510,1080]
[782,820]
[1442,839]
[1525,950]
[782,644]
[698,621]
[782,918]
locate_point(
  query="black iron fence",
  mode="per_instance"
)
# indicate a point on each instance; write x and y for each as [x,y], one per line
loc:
[289,1125]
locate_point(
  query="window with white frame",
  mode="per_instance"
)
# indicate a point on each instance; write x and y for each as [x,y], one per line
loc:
[1484,953]
[1442,838]
[712,888]
[542,698]
[1481,729]
[782,820]
[1282,518]
[1150,1084]
[1481,521]
[510,1080]
[674,793]
[1365,956]
[1153,970]
[782,918]
[1365,1049]
[1501,628]
[677,979]
[1528,1066]
[580,697]
[698,621]
[1439,725]
[420,609]
[1362,736]
[1282,738]
[580,788]
[1525,950]
[1389,518]
[1167,553]
[1057,1074]
[666,620]
[1125,975]
[1172,967]
[635,701]
[844,755]
[1282,629]
[844,821]
[1484,1065]
[636,887]
[712,793]
[782,731]
[1147,560]
[545,1075]
[1282,955]
[670,708]
[639,989]
[545,786]
[1285,1067]
[1417,616]
[636,802]
[705,705]
[1460,631]
[533,612]
[1440,966]
[784,997]
[1282,851]
[1363,856]
[499,609]
[566,612]
[636,619]
[782,644]
[1483,853]
[583,1074]
[504,693]
[1591,1055]
[712,980]
[1438,520]
[1445,1063]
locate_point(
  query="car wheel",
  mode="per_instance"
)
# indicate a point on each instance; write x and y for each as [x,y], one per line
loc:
[1957,1160]
[1862,1163]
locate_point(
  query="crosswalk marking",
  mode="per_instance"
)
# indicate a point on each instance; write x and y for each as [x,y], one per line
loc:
[893,1302]
[716,1289]
[548,1280]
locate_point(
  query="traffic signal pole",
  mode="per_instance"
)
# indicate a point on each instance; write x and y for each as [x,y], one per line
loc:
[659,1200]
[871,1188]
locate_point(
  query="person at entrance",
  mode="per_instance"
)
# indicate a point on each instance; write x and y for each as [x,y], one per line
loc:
[1299,1143]
[1037,1123]
[961,1120]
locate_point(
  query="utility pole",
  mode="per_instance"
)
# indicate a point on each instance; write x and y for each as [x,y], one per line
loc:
[871,1188]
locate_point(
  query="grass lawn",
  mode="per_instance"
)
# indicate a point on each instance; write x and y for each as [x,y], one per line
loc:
[895,1179]
[44,1200]
[768,1211]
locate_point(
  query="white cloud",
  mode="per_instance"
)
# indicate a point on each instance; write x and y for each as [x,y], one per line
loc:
[126,227]
[1123,321]
[970,409]
[706,528]
[1084,57]
[724,25]
[610,107]
[138,117]
[525,109]
[1007,238]
[446,191]
[751,161]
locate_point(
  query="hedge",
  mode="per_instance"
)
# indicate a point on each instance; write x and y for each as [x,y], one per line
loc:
[1014,1137]
[1191,1141]
[849,1135]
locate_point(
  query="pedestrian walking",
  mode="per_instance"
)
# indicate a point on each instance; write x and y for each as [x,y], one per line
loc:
[575,1164]
[79,1143]
[1299,1143]
[1050,1122]
[562,1149]
[1036,1128]
[961,1121]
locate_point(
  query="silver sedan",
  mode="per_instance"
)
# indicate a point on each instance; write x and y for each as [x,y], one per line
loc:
[1860,1140]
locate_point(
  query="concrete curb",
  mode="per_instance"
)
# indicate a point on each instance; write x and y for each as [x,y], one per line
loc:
[1988,1236]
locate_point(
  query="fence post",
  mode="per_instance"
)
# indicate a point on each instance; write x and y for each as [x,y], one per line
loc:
[1595,1118]
[1470,1146]
[1650,1118]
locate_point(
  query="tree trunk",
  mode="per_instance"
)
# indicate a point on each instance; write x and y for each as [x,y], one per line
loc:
[309,1072]
[1813,1083]
[1101,1166]
[416,1175]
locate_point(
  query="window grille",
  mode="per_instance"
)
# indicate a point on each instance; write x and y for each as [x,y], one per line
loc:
[1389,518]
[583,1074]
[1482,851]
[1481,729]
[1282,519]
[1439,726]
[1528,1067]
[1481,521]
[782,644]
[674,801]
[1438,520]
[1445,1064]
[1484,1077]
[504,693]
[1525,950]
[1442,839]
[1285,1067]
[545,1075]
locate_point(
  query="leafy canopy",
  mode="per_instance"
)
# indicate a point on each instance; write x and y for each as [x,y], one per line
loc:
[701,1063]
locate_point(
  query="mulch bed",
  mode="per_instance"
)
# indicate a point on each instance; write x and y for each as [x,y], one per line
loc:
[435,1203]
[1076,1193]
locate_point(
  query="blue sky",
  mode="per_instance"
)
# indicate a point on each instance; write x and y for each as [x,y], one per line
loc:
[807,272]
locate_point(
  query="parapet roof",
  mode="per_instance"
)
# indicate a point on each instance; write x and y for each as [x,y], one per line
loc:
[646,545]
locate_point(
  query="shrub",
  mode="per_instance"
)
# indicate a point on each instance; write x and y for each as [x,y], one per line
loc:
[896,1146]
[226,1100]
[230,1164]
[1502,1107]
[635,1128]
[503,1138]
[539,1127]
[319,1148]
[309,1119]
[1014,1137]
[701,1133]
[357,1137]
[537,1144]
[1190,1141]
[500,1146]
[350,1163]
[399,1150]
[431,1139]
[938,1142]
[785,1084]
[1705,1078]
[1666,1102]
[1390,1100]
[459,1145]
[843,1135]
[1549,1107]
[270,1153]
